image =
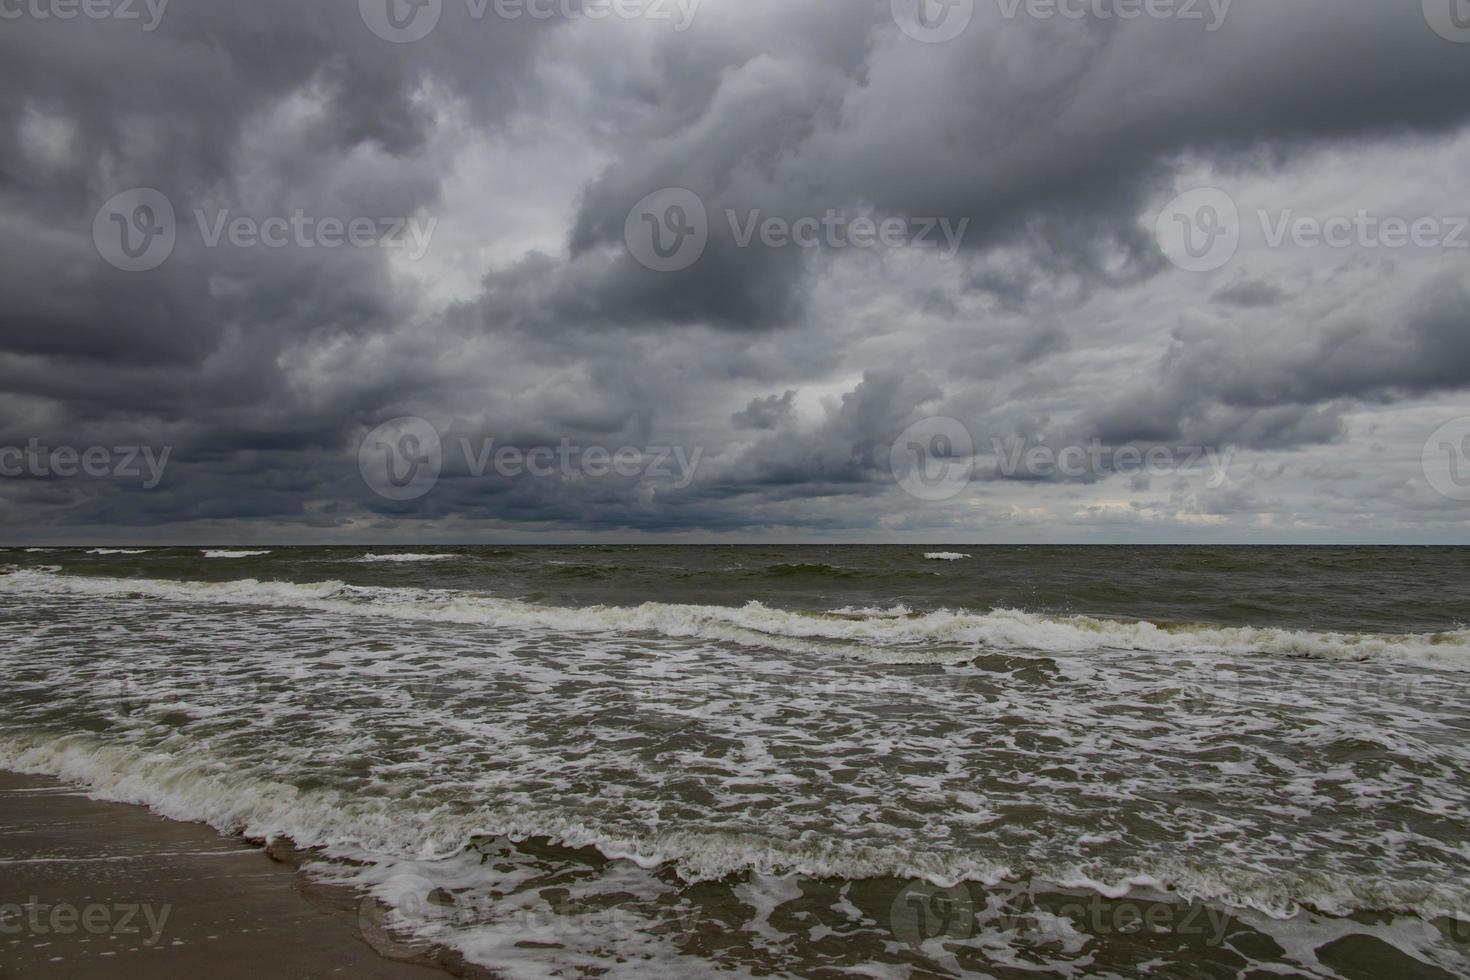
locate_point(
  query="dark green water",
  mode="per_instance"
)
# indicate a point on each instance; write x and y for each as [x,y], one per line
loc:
[826,761]
[1349,588]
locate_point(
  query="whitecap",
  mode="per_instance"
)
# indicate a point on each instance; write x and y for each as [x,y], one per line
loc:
[941,636]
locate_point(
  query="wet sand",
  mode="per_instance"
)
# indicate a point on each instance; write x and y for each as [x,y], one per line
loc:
[93,889]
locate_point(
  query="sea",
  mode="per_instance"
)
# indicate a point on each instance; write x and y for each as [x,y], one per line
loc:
[683,761]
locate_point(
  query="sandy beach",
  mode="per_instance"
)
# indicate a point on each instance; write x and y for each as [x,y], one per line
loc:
[97,889]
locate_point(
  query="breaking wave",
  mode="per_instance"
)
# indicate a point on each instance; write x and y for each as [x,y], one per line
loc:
[384,830]
[897,635]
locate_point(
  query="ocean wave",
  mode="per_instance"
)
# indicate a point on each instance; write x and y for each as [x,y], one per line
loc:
[893,636]
[576,570]
[808,569]
[370,559]
[946,556]
[118,551]
[803,573]
[383,831]
[235,554]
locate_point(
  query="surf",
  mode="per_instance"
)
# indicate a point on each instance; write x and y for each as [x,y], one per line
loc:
[940,636]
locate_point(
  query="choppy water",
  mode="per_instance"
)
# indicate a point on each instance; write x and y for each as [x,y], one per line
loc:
[801,761]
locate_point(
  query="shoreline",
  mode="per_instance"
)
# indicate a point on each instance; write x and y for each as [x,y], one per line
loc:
[112,890]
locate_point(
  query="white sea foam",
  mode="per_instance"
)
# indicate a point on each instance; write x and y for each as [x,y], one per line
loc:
[946,556]
[118,551]
[943,636]
[396,726]
[391,832]
[235,554]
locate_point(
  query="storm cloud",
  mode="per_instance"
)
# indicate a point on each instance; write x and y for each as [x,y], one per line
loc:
[781,234]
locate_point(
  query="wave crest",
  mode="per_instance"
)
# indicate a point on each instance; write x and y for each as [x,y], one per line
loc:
[895,636]
[383,831]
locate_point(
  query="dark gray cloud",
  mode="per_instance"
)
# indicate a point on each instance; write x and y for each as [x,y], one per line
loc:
[766,413]
[1054,320]
[1260,387]
[1047,135]
[1251,293]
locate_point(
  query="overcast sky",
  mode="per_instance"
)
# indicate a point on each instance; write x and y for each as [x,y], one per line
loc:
[856,262]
